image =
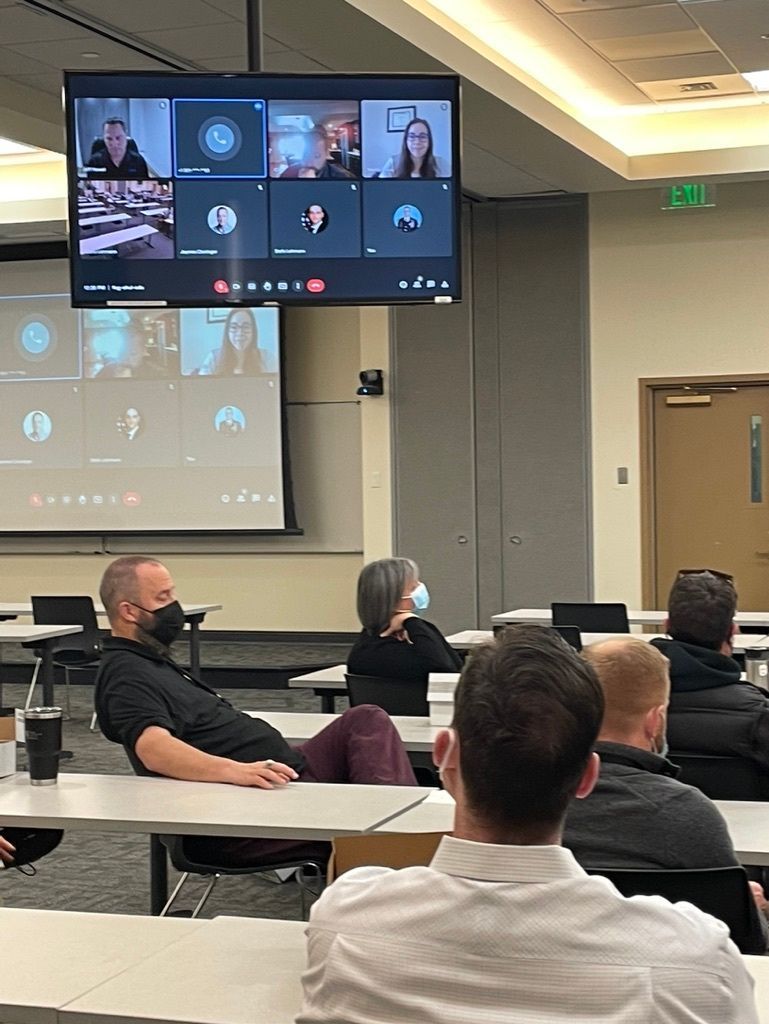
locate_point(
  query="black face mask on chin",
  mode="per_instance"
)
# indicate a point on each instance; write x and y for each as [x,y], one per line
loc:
[167,624]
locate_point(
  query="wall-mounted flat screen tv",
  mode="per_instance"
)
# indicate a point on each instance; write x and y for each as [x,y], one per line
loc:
[214,189]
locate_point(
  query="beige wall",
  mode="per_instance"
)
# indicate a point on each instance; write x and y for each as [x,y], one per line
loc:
[672,293]
[278,590]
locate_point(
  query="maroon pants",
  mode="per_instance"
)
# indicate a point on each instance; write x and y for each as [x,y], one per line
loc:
[362,746]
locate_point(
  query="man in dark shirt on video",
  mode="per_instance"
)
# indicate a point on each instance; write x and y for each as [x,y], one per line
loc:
[116,159]
[172,724]
[317,162]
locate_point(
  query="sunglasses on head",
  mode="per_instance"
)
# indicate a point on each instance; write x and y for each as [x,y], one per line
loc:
[699,572]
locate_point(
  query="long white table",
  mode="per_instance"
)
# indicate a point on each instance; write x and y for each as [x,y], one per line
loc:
[52,957]
[128,803]
[233,970]
[194,614]
[466,639]
[297,727]
[114,218]
[636,616]
[113,239]
[42,638]
[327,683]
[61,967]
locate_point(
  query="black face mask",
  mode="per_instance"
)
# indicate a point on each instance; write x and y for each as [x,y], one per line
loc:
[168,622]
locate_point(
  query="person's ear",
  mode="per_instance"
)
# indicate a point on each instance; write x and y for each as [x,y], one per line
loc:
[589,777]
[653,720]
[445,749]
[666,626]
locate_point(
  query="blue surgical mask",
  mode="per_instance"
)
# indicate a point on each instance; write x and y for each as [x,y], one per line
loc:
[421,597]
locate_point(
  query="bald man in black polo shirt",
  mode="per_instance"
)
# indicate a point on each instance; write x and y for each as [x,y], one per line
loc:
[172,724]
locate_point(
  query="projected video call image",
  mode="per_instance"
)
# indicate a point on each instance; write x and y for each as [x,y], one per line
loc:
[41,426]
[126,219]
[230,420]
[221,219]
[314,139]
[228,343]
[219,138]
[130,343]
[132,424]
[123,138]
[36,339]
[406,140]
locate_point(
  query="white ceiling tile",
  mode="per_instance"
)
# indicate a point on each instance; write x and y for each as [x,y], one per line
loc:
[737,29]
[670,44]
[693,65]
[235,8]
[270,45]
[571,6]
[292,61]
[238,62]
[200,42]
[65,53]
[488,175]
[22,25]
[149,15]
[12,63]
[50,83]
[635,21]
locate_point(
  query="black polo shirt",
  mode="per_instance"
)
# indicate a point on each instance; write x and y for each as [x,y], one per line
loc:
[133,165]
[136,687]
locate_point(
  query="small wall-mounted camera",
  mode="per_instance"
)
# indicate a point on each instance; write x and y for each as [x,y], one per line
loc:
[371,383]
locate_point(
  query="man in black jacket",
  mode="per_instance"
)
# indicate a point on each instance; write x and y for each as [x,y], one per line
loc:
[711,710]
[639,815]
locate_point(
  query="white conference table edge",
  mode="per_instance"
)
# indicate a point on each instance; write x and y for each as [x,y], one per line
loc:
[21,634]
[416,732]
[20,609]
[466,639]
[636,617]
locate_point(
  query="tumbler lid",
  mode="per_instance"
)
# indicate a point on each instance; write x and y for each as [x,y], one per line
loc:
[42,713]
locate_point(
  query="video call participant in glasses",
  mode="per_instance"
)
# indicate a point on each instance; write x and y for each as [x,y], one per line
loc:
[316,161]
[503,924]
[711,710]
[395,642]
[118,158]
[416,158]
[238,353]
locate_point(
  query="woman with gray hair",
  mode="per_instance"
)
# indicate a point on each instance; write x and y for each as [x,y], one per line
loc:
[395,642]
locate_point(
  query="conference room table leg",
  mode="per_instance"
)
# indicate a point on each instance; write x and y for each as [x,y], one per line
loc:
[194,621]
[46,667]
[158,875]
[327,705]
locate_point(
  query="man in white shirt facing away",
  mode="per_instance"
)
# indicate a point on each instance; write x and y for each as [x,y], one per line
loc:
[504,925]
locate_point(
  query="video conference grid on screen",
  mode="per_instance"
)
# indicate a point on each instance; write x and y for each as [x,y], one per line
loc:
[219,189]
[128,419]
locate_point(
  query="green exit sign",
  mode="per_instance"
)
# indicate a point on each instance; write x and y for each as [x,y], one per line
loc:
[688,195]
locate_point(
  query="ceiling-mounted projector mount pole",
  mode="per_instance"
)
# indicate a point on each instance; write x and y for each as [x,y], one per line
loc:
[254,35]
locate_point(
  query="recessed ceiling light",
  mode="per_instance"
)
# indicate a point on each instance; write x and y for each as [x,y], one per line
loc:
[765,35]
[758,79]
[90,54]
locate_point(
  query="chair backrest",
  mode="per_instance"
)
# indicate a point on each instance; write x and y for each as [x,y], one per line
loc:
[571,635]
[390,850]
[69,611]
[722,778]
[591,618]
[721,892]
[395,696]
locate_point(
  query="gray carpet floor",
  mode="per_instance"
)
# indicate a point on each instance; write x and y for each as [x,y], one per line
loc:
[109,873]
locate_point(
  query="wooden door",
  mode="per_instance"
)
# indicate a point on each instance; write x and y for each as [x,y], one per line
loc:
[711,487]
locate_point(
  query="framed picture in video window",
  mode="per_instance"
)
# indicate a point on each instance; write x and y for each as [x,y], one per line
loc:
[217,315]
[399,117]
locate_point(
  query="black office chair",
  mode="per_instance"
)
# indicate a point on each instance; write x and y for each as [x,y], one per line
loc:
[78,651]
[571,635]
[721,892]
[722,778]
[310,874]
[591,618]
[395,696]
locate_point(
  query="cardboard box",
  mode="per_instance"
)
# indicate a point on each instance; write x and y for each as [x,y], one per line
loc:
[7,741]
[390,850]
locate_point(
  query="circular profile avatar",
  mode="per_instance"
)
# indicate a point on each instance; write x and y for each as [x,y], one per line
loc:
[229,421]
[37,426]
[130,424]
[222,219]
[315,219]
[407,218]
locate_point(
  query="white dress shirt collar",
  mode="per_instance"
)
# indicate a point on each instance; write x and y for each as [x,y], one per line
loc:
[488,862]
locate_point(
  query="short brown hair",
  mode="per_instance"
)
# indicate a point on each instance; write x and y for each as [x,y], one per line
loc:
[527,712]
[634,677]
[119,582]
[701,609]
